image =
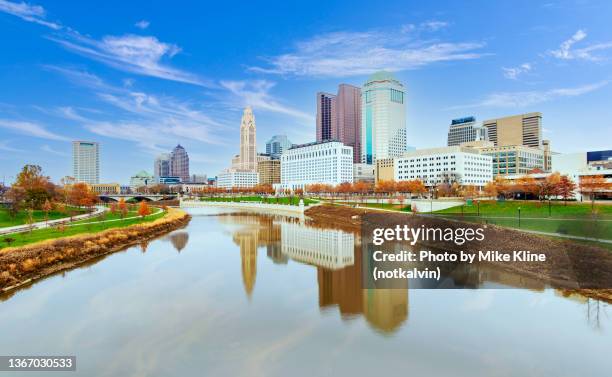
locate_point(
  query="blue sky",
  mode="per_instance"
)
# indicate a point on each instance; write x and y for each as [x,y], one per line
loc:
[140,77]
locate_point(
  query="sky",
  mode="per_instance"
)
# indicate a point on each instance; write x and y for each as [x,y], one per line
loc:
[142,76]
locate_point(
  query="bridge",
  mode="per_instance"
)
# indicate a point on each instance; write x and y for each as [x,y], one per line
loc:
[137,197]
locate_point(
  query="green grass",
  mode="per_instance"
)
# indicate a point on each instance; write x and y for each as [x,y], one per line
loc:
[531,209]
[258,199]
[22,217]
[51,233]
[583,228]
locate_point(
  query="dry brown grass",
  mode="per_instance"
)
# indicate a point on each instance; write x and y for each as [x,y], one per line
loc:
[18,264]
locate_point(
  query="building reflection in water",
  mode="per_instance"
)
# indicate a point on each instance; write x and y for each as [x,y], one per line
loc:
[179,240]
[253,231]
[336,256]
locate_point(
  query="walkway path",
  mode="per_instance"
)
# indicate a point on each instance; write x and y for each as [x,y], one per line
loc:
[45,224]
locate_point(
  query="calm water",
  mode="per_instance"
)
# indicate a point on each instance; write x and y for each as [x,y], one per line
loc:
[253,295]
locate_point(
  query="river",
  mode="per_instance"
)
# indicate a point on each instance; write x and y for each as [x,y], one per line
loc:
[259,295]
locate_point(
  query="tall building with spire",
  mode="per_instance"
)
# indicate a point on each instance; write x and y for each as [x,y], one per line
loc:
[179,163]
[248,142]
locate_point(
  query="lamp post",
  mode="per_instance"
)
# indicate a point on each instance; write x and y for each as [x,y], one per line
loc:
[519,216]
[478,206]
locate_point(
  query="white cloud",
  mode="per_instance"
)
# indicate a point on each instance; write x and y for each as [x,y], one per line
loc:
[428,26]
[48,149]
[513,73]
[256,94]
[434,25]
[529,98]
[5,146]
[30,129]
[343,54]
[144,55]
[142,24]
[566,52]
[28,12]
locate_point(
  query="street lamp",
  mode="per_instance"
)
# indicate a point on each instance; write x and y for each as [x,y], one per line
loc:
[519,216]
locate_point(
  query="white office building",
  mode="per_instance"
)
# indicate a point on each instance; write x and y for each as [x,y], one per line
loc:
[328,248]
[230,178]
[383,123]
[86,161]
[445,165]
[326,162]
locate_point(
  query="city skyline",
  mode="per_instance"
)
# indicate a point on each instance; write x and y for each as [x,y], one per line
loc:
[141,91]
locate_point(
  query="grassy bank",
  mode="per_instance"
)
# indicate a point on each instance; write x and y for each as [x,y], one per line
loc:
[259,199]
[20,265]
[531,209]
[21,217]
[97,224]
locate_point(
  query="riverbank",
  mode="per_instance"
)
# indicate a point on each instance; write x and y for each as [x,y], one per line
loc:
[21,265]
[569,265]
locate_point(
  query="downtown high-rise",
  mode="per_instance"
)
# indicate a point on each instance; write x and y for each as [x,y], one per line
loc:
[179,163]
[277,145]
[161,166]
[339,117]
[383,121]
[86,161]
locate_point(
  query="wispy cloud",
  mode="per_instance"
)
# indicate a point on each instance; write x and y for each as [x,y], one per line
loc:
[6,146]
[256,94]
[428,26]
[529,98]
[28,12]
[30,129]
[48,149]
[513,73]
[142,24]
[144,55]
[152,122]
[343,54]
[567,52]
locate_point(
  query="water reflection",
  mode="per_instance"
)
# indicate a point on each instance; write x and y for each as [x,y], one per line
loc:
[335,254]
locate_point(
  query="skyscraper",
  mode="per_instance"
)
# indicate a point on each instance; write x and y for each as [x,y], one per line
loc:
[276,145]
[465,130]
[383,129]
[522,129]
[348,118]
[179,163]
[326,116]
[248,143]
[161,166]
[86,161]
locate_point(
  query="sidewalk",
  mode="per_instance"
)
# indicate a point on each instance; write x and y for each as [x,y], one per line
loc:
[45,224]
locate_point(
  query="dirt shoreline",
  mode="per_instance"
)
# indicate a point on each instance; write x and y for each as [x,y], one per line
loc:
[20,266]
[569,265]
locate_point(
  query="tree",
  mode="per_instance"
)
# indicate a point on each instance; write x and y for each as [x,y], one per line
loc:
[565,188]
[47,207]
[143,209]
[16,199]
[502,186]
[345,188]
[123,208]
[592,184]
[113,208]
[490,189]
[362,188]
[80,195]
[36,186]
[548,187]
